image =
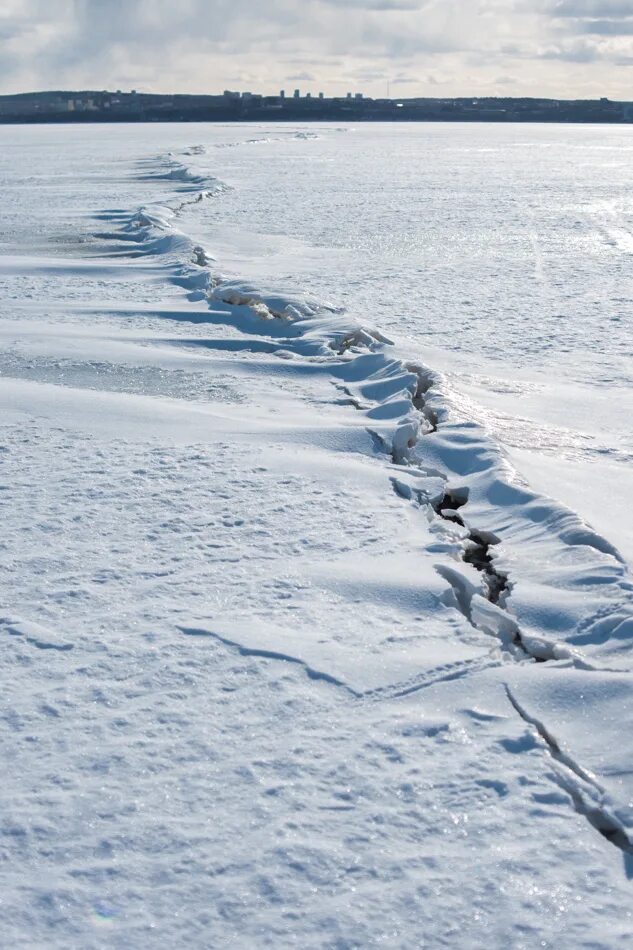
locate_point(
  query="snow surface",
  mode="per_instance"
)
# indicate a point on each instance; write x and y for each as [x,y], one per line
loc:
[293,656]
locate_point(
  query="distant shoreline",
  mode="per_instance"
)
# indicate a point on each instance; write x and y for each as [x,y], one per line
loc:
[272,118]
[86,106]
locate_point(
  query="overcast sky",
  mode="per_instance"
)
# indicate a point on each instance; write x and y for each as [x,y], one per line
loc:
[566,48]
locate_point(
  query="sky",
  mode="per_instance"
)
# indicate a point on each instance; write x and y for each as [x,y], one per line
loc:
[558,48]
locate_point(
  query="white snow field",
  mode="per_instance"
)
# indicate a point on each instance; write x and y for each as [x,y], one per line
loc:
[315,474]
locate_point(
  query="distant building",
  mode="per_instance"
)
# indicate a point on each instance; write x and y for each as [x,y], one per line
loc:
[282,94]
[297,94]
[321,95]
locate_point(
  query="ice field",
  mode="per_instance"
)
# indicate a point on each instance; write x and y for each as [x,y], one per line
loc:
[315,475]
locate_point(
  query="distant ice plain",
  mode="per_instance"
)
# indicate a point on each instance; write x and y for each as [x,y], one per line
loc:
[502,255]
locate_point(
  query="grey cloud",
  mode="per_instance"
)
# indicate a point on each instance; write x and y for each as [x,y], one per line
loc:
[380,5]
[604,27]
[593,8]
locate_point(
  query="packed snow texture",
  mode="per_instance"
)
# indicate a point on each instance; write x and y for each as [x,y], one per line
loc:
[293,655]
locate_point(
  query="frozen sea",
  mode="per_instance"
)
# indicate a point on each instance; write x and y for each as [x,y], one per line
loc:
[315,477]
[502,254]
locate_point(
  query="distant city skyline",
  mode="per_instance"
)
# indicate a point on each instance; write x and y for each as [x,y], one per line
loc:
[442,48]
[240,106]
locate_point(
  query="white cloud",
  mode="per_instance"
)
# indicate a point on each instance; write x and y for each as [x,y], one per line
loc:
[548,47]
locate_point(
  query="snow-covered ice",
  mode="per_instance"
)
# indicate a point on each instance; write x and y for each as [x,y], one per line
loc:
[302,646]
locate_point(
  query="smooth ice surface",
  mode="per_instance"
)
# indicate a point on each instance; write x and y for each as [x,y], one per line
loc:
[310,635]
